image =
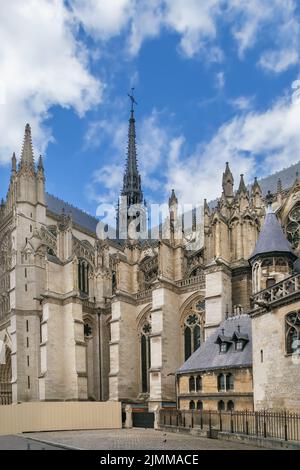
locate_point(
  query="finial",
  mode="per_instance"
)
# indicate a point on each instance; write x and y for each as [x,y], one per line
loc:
[40,163]
[133,101]
[279,185]
[13,163]
[173,199]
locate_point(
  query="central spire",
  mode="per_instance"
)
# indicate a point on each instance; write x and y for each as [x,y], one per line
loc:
[132,180]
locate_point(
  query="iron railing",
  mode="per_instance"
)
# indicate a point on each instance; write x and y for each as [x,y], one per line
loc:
[5,398]
[279,425]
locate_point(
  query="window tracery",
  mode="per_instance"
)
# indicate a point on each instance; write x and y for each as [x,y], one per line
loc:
[194,327]
[293,227]
[292,326]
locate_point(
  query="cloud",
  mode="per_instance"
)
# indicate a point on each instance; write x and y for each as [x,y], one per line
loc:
[102,19]
[42,64]
[220,80]
[242,103]
[255,143]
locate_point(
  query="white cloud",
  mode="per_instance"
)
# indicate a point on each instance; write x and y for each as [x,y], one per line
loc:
[254,143]
[220,80]
[42,64]
[103,19]
[242,103]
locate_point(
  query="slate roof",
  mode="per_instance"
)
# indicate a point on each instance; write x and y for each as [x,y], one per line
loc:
[80,217]
[208,356]
[271,238]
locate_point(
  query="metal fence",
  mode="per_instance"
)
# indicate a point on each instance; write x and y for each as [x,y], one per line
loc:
[5,398]
[280,425]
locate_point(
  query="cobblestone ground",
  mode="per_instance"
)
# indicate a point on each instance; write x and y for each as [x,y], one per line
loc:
[135,439]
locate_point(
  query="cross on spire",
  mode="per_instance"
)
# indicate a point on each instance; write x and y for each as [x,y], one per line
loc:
[132,99]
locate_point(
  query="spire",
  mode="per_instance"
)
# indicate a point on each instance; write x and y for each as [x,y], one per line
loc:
[242,186]
[173,199]
[13,163]
[132,180]
[27,159]
[256,187]
[40,164]
[227,182]
[271,239]
[279,185]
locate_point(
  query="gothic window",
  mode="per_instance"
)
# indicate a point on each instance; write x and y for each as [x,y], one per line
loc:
[192,405]
[293,227]
[230,405]
[199,405]
[229,382]
[198,383]
[221,405]
[87,330]
[191,384]
[145,346]
[292,325]
[83,277]
[114,280]
[221,382]
[194,328]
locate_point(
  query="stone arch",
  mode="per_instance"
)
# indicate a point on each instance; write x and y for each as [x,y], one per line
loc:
[144,329]
[5,375]
[192,322]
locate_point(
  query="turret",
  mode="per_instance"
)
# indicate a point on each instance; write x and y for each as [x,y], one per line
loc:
[227,182]
[273,257]
[256,194]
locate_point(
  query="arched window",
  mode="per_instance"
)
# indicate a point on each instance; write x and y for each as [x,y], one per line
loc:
[221,405]
[199,405]
[145,354]
[292,330]
[221,382]
[87,330]
[230,405]
[83,277]
[229,382]
[194,328]
[198,383]
[192,405]
[191,384]
[293,227]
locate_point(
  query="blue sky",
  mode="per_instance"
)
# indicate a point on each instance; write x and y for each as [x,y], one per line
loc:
[213,81]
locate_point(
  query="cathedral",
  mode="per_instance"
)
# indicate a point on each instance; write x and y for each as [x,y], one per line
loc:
[84,318]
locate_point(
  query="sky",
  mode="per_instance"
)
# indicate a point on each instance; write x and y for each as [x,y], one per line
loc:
[215,81]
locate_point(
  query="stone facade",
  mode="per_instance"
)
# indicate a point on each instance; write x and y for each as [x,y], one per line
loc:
[86,319]
[210,397]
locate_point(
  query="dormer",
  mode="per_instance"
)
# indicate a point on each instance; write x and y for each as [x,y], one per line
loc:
[239,340]
[224,342]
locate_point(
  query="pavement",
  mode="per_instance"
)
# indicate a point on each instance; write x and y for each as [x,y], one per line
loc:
[21,443]
[119,439]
